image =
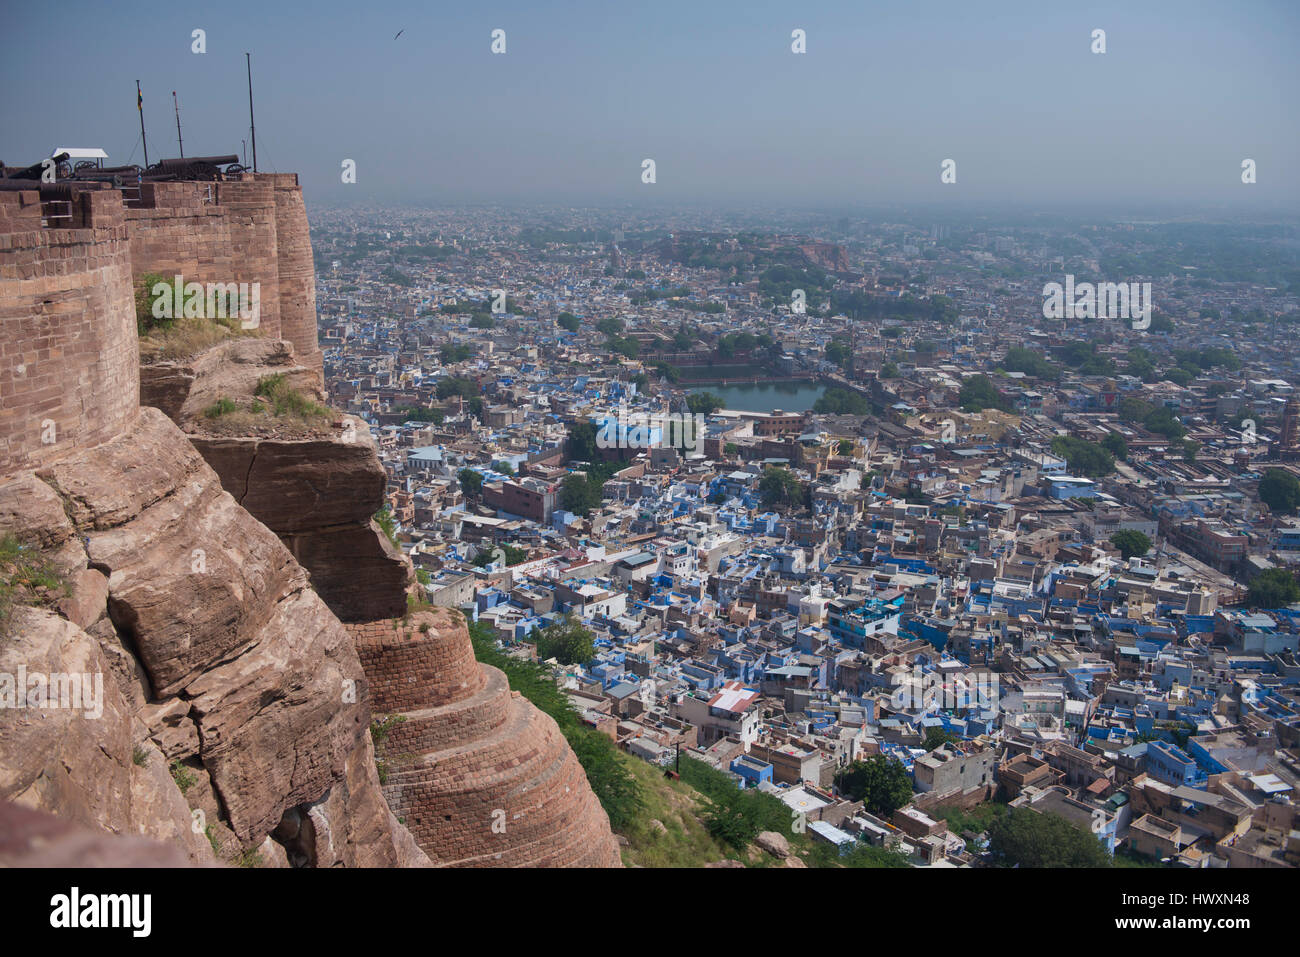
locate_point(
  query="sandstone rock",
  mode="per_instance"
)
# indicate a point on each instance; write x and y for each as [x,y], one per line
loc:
[221,616]
[81,762]
[774,843]
[89,599]
[30,838]
[793,861]
[230,370]
[319,495]
[657,825]
[726,864]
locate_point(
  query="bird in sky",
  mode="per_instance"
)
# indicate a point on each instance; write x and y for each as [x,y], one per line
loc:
[399,33]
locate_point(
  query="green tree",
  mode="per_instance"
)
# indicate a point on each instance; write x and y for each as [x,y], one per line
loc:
[978,393]
[580,494]
[838,401]
[779,487]
[705,403]
[1273,588]
[568,642]
[1114,444]
[471,482]
[567,320]
[1024,838]
[1083,458]
[936,737]
[881,783]
[1130,542]
[1280,491]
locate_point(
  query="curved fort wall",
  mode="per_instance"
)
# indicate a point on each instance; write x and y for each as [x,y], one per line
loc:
[69,358]
[479,776]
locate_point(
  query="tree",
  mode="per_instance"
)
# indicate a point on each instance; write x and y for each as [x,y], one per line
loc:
[936,737]
[779,487]
[513,555]
[1280,491]
[1130,542]
[580,494]
[1273,588]
[1083,458]
[482,320]
[567,320]
[838,401]
[978,393]
[1024,838]
[838,352]
[1114,444]
[705,403]
[568,642]
[471,482]
[889,370]
[881,783]
[1190,448]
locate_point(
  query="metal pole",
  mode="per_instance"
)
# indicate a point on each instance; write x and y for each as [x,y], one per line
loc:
[179,142]
[251,125]
[139,103]
[244,144]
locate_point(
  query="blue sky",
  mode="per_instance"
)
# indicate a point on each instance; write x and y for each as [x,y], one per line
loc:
[710,90]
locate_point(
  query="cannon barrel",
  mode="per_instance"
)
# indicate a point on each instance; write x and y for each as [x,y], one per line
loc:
[34,171]
[168,164]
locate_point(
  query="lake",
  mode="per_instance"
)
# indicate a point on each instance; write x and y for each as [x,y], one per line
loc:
[764,397]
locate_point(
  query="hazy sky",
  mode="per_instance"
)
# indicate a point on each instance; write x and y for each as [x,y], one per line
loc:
[710,90]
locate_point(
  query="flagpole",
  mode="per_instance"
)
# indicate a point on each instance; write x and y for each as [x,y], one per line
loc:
[139,103]
[179,141]
[251,126]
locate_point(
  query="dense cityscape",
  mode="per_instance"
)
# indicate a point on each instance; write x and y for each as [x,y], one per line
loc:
[804,500]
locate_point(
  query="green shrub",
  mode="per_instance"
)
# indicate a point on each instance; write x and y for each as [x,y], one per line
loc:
[222,406]
[27,577]
[285,400]
[182,776]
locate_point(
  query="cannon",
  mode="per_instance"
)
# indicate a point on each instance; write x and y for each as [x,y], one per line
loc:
[189,168]
[36,169]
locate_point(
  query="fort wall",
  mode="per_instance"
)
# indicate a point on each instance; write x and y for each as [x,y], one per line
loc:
[69,362]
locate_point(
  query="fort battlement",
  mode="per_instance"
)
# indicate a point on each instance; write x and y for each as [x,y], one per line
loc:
[70,371]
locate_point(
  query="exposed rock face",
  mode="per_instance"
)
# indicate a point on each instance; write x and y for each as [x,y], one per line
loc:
[81,761]
[827,256]
[33,839]
[317,493]
[479,776]
[244,675]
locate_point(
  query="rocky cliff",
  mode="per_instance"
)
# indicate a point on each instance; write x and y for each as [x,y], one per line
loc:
[200,595]
[315,487]
[220,665]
